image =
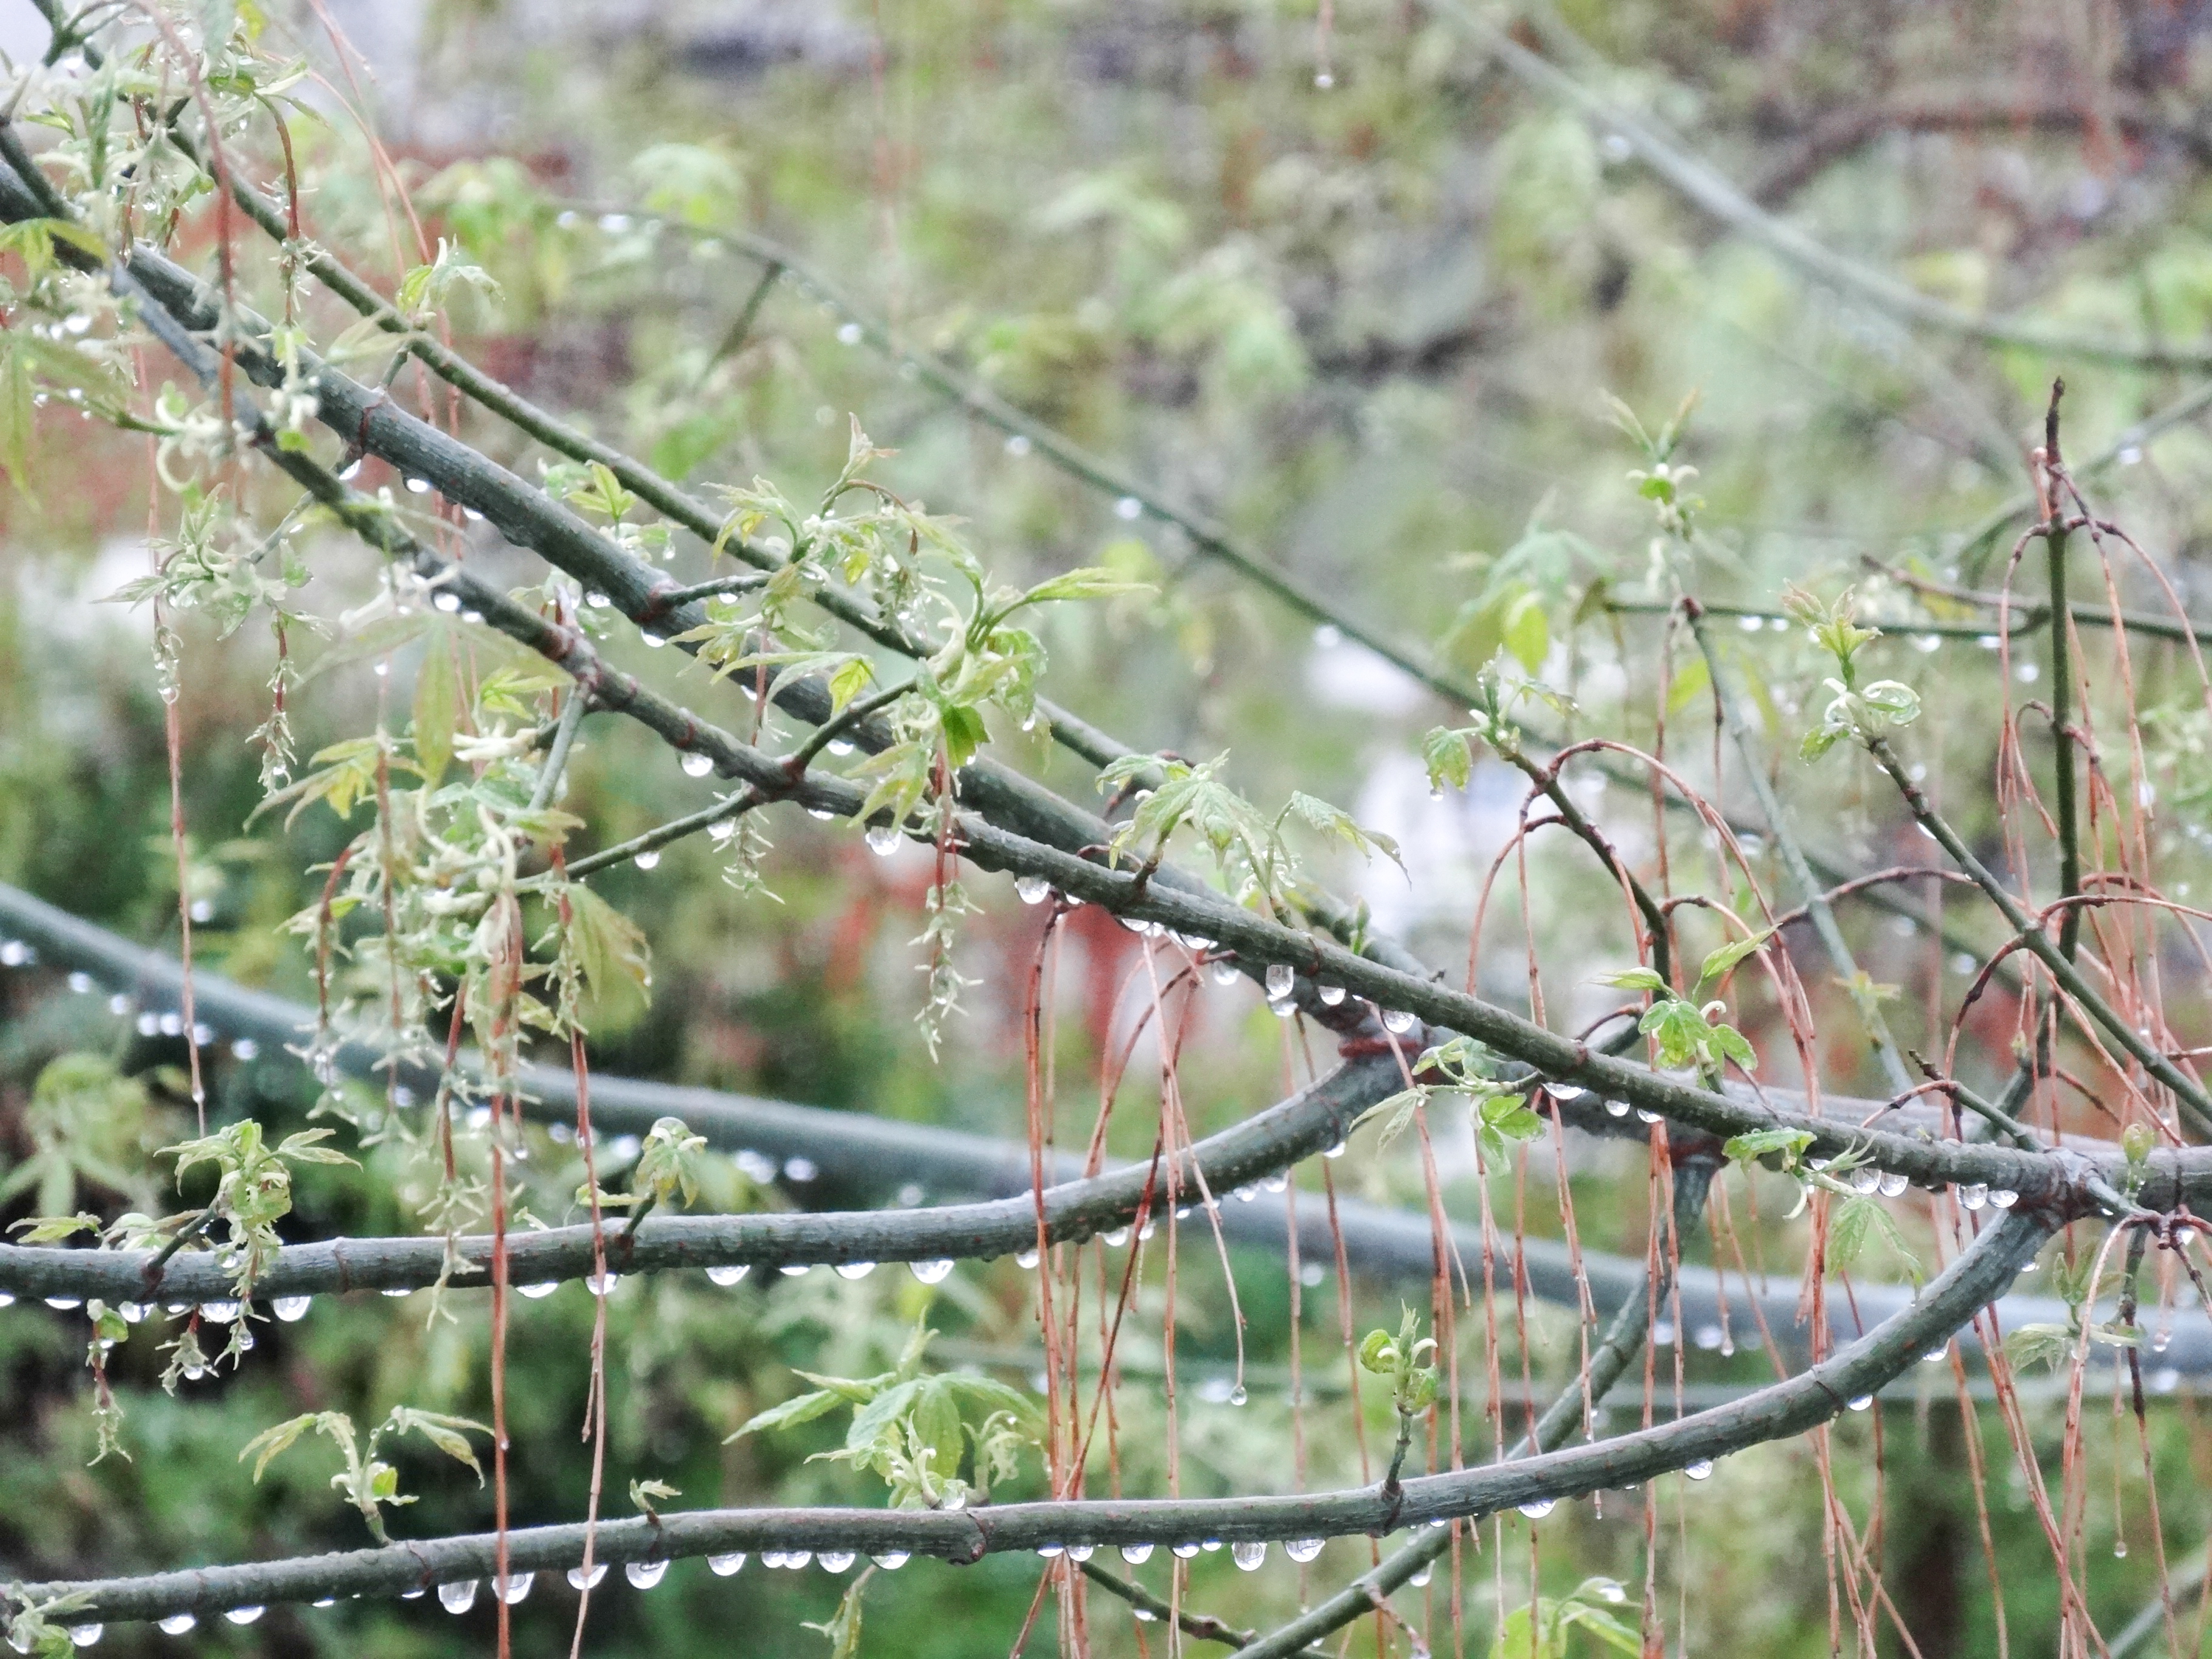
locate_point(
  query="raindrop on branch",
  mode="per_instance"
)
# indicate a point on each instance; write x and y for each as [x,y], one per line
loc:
[1251,1555]
[727,1273]
[723,1565]
[1136,1554]
[646,1574]
[578,1579]
[1303,1549]
[457,1598]
[930,1273]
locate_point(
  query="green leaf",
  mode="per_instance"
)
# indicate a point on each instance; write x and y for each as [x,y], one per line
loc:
[1088,582]
[1719,961]
[937,1424]
[1693,677]
[1444,752]
[437,708]
[1526,633]
[803,1408]
[1634,979]
[53,1228]
[848,680]
[272,1442]
[1397,1111]
[609,949]
[1858,1219]
[1760,1142]
[444,1432]
[2040,1347]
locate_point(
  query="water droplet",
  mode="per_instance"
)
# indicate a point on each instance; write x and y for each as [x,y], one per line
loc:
[1864,1179]
[1237,1396]
[697,765]
[63,1304]
[1539,1508]
[1973,1195]
[1397,1021]
[177,1623]
[578,1579]
[600,1284]
[1025,1259]
[1334,1149]
[856,1270]
[2004,1197]
[1862,1402]
[597,601]
[1222,970]
[653,642]
[727,1273]
[448,602]
[1183,1552]
[244,1615]
[646,1574]
[647,859]
[457,1598]
[1893,1184]
[1032,889]
[800,1168]
[1048,1551]
[325,1601]
[1422,1574]
[2120,1549]
[1250,1554]
[1279,979]
[1018,444]
[840,747]
[1323,81]
[221,1312]
[1699,1470]
[1115,1237]
[418,486]
[84,1636]
[1303,1549]
[795,1269]
[2161,1342]
[536,1292]
[383,668]
[797,1559]
[1643,1117]
[891,1560]
[883,840]
[1282,1007]
[1136,1554]
[291,1308]
[834,1560]
[930,1273]
[1129,507]
[1330,994]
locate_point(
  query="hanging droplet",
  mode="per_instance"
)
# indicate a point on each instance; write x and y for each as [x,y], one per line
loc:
[1136,1554]
[797,1559]
[645,1574]
[1973,1194]
[2004,1197]
[448,602]
[1699,1470]
[891,1560]
[536,1293]
[1642,1116]
[647,859]
[1025,1259]
[1397,1021]
[697,765]
[244,1615]
[1282,1007]
[1279,979]
[1538,1508]
[578,1579]
[513,1588]
[930,1273]
[1183,1552]
[1048,1551]
[1335,1149]
[723,1565]
[1114,1238]
[840,747]
[597,601]
[221,1313]
[883,840]
[1237,1396]
[1302,1549]
[2119,1549]
[84,1636]
[795,1269]
[1081,1551]
[834,1560]
[1250,1554]
[727,1273]
[177,1623]
[1223,970]
[856,1270]
[1422,1574]
[1032,889]
[290,1309]
[1864,1179]
[1861,1403]
[1893,1183]
[1129,507]
[653,642]
[600,1284]
[63,1304]
[418,486]
[1330,994]
[457,1598]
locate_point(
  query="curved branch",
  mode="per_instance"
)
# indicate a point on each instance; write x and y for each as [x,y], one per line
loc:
[1804,1401]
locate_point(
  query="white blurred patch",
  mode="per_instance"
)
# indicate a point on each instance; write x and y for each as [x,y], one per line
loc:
[69,610]
[1343,675]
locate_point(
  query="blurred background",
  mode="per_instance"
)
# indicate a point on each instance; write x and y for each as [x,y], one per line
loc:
[1354,287]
